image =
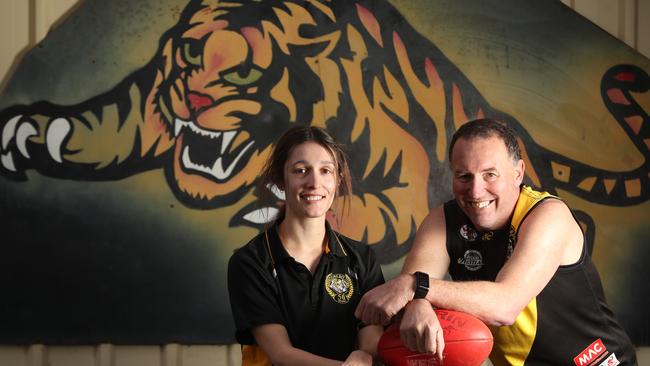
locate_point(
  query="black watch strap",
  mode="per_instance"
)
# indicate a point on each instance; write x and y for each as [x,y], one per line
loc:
[421,285]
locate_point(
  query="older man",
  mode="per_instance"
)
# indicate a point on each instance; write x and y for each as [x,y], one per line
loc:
[518,261]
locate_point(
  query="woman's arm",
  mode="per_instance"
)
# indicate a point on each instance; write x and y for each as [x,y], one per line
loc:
[274,340]
[368,338]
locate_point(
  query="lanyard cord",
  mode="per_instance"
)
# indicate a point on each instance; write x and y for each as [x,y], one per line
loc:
[275,273]
[268,247]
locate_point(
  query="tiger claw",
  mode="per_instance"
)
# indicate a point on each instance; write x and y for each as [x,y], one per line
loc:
[8,134]
[9,131]
[8,161]
[25,131]
[57,131]
[17,132]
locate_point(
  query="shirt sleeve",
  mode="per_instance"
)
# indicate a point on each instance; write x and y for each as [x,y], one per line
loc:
[371,274]
[253,294]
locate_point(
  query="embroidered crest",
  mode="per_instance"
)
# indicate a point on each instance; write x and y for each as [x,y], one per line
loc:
[472,259]
[468,233]
[339,286]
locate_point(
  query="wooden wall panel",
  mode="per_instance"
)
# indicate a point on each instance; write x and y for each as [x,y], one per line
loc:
[643,27]
[14,33]
[66,356]
[605,13]
[13,355]
[48,13]
[110,355]
[618,17]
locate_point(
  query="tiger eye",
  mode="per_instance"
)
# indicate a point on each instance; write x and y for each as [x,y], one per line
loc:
[236,78]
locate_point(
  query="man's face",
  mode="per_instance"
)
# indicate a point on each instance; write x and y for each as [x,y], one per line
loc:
[485,181]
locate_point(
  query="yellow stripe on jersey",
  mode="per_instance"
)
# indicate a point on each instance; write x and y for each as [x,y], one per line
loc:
[528,198]
[513,343]
[254,356]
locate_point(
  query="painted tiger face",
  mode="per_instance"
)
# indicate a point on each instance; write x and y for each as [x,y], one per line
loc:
[238,74]
[228,93]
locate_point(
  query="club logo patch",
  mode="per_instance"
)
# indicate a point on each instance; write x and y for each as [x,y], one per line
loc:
[339,286]
[487,236]
[472,259]
[468,233]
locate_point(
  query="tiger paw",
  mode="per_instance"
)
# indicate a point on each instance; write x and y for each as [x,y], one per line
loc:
[22,137]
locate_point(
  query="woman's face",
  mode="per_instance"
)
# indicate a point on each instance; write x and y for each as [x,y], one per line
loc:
[310,181]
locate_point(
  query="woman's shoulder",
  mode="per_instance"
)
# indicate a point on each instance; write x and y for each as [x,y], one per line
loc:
[253,250]
[357,247]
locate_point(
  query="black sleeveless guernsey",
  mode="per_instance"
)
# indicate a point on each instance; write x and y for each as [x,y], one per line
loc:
[567,323]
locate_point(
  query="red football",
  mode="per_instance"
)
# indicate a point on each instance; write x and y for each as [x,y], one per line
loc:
[468,342]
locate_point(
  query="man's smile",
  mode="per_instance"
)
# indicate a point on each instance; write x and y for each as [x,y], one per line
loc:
[480,204]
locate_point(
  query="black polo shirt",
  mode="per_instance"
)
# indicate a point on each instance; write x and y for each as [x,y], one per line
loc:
[267,285]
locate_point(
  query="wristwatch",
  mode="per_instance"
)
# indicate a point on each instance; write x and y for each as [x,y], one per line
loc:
[421,285]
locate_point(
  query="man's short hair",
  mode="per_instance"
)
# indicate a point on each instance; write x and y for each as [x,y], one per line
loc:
[486,128]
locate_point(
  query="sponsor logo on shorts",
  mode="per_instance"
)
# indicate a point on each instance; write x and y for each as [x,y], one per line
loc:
[339,286]
[591,354]
[472,259]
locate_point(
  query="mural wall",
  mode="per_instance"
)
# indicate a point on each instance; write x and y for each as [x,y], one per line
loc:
[132,137]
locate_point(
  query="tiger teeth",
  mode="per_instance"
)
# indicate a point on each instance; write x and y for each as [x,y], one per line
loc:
[179,124]
[219,172]
[227,138]
[217,169]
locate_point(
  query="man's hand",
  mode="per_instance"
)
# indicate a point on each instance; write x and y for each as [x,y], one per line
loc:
[358,358]
[379,305]
[420,329]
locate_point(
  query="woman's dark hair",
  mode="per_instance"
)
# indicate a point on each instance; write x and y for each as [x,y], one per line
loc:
[273,171]
[486,128]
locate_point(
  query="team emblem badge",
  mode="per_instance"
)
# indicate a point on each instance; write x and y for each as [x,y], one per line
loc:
[468,233]
[472,259]
[487,236]
[339,286]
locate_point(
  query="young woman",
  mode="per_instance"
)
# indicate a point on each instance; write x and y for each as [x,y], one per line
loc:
[294,287]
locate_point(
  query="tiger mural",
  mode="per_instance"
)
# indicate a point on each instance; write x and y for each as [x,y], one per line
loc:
[231,76]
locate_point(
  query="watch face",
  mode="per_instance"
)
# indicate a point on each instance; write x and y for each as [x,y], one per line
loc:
[421,285]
